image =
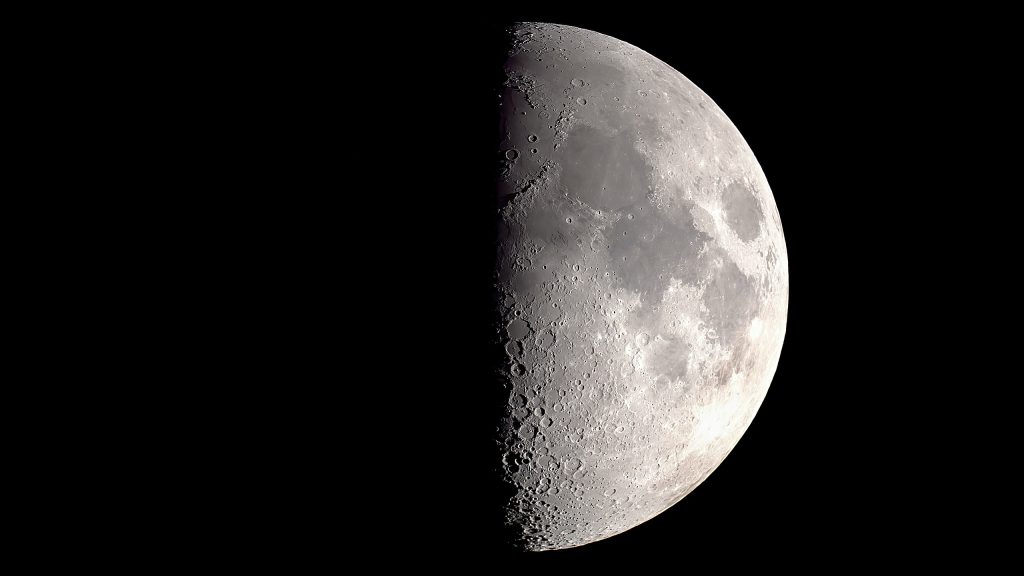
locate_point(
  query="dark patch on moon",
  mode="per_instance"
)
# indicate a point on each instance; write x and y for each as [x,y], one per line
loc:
[603,171]
[742,211]
[731,300]
[648,250]
[604,79]
[670,357]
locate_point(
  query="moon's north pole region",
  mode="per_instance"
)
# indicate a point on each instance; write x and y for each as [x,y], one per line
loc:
[642,283]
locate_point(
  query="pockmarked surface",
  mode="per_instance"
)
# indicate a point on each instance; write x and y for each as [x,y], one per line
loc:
[643,286]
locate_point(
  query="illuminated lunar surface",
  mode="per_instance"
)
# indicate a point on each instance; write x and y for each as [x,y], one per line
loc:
[643,286]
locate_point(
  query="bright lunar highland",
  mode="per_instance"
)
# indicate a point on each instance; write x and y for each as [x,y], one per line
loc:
[642,286]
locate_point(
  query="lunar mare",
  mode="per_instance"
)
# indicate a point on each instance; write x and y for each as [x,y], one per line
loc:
[642,282]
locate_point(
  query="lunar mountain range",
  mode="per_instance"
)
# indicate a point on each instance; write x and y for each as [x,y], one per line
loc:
[642,286]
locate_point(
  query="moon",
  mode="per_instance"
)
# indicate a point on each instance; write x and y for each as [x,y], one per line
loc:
[641,286]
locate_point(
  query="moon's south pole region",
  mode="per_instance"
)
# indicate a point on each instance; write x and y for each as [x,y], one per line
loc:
[641,286]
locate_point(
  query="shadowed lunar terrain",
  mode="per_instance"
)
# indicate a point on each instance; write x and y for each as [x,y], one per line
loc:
[641,283]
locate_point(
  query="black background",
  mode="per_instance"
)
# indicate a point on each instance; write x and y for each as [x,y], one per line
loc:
[375,138]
